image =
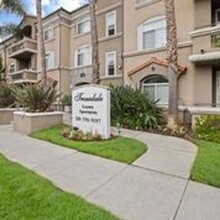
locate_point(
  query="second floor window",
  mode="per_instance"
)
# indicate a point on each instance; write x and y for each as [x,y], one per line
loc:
[110,63]
[111,23]
[83,25]
[83,56]
[152,34]
[12,68]
[217,17]
[49,58]
[48,33]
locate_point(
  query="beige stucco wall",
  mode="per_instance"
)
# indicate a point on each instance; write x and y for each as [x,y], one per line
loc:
[192,83]
[27,123]
[6,116]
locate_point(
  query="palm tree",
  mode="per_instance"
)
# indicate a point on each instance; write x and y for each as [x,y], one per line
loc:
[40,40]
[95,43]
[15,7]
[172,57]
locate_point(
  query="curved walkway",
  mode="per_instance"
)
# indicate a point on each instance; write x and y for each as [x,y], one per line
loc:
[155,187]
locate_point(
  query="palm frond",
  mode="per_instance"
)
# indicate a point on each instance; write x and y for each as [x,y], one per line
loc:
[14,6]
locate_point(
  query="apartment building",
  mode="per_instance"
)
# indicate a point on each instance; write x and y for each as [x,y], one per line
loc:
[132,49]
[67,39]
[145,64]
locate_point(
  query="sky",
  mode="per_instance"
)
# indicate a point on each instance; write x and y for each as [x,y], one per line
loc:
[48,7]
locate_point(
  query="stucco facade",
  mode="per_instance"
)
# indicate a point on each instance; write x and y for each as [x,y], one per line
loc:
[131,48]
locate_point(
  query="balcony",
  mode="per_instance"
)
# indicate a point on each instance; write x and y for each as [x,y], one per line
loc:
[24,76]
[82,75]
[206,45]
[23,49]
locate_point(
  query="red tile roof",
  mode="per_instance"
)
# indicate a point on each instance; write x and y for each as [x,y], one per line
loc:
[156,61]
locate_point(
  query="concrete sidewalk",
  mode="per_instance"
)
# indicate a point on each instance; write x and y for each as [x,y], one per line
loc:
[155,187]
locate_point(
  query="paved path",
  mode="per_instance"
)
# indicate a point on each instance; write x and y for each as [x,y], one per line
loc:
[155,187]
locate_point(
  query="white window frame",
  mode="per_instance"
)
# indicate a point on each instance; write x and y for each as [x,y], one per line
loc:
[217,88]
[152,26]
[114,53]
[156,85]
[51,60]
[49,28]
[114,13]
[141,2]
[216,16]
[90,55]
[81,20]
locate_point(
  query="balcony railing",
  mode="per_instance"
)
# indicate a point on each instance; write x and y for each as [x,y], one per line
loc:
[23,47]
[24,76]
[82,75]
[206,45]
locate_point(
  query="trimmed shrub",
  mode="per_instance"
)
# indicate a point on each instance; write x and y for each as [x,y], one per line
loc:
[67,100]
[37,97]
[7,95]
[208,128]
[132,109]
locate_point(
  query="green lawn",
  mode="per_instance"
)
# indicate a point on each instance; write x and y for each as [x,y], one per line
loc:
[24,195]
[121,149]
[207,165]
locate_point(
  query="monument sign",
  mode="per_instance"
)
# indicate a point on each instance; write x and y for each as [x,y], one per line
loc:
[91,109]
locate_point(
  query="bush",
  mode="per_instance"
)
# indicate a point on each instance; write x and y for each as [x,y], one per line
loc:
[37,97]
[132,109]
[208,128]
[67,100]
[7,96]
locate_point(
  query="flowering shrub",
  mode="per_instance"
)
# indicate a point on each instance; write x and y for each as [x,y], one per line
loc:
[78,135]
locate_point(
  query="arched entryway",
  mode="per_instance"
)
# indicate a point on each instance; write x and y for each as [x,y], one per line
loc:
[156,87]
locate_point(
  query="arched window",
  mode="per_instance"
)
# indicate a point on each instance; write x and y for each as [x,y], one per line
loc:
[156,87]
[152,33]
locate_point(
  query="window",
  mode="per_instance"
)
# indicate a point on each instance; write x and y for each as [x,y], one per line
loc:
[152,34]
[49,58]
[110,63]
[156,87]
[12,68]
[111,23]
[83,56]
[218,88]
[48,33]
[217,17]
[144,1]
[83,25]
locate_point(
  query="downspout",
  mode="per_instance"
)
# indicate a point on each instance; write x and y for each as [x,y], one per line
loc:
[60,42]
[122,54]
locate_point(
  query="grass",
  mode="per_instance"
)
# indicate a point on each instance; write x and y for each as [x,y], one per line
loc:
[206,168]
[120,149]
[25,195]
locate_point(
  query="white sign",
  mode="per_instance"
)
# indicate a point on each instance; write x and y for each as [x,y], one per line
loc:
[91,109]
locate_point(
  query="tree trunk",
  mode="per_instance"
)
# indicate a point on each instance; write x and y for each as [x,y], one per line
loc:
[40,41]
[172,57]
[95,43]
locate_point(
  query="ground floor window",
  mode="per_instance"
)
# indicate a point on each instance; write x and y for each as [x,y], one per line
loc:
[218,88]
[156,87]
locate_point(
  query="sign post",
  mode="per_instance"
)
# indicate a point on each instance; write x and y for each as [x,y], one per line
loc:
[91,109]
